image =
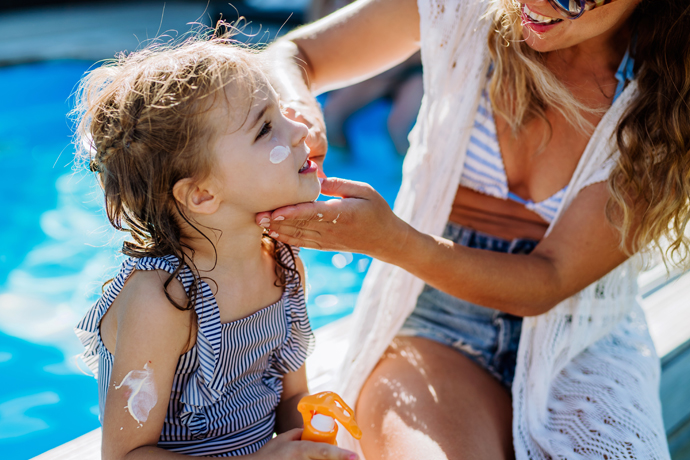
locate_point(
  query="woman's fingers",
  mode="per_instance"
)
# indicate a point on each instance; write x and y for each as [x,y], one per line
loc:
[295,236]
[318,211]
[344,188]
[305,213]
[359,221]
[316,139]
[263,219]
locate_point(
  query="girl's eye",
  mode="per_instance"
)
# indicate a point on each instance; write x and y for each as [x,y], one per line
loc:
[265,129]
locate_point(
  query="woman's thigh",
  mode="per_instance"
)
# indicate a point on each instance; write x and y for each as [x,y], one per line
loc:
[427,401]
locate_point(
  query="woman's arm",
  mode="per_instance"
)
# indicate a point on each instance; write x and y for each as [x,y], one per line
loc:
[354,43]
[582,248]
[350,45]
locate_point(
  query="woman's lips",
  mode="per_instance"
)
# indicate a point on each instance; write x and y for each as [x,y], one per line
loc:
[311,167]
[537,26]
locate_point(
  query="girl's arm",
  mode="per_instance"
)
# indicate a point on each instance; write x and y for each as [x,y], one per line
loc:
[151,333]
[582,248]
[354,43]
[294,384]
[294,389]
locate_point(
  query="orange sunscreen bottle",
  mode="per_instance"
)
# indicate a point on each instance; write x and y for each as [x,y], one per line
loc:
[320,411]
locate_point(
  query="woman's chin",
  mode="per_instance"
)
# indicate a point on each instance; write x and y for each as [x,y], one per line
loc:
[542,43]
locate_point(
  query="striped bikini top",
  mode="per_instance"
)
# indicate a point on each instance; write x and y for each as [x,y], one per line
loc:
[484,170]
[227,387]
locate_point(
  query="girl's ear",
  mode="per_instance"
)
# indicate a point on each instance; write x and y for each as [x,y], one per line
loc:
[196,197]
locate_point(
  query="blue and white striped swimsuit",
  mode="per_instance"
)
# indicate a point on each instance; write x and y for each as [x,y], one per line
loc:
[484,170]
[227,387]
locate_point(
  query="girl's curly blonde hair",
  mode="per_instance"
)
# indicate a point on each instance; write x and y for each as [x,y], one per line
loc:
[143,126]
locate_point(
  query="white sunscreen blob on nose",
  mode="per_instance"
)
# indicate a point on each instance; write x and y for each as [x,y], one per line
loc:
[279,154]
[142,395]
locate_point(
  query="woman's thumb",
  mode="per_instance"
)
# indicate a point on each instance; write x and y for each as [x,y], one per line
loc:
[333,186]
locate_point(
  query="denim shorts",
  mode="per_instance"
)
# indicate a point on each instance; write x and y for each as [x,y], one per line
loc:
[487,336]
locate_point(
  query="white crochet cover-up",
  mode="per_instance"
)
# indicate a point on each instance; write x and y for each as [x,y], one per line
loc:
[587,377]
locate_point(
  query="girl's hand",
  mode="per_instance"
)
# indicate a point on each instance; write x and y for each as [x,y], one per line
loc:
[288,446]
[360,222]
[310,114]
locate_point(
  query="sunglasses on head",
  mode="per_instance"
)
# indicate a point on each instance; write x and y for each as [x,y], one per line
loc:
[573,9]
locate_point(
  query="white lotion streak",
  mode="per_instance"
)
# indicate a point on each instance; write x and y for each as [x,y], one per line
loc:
[142,397]
[279,154]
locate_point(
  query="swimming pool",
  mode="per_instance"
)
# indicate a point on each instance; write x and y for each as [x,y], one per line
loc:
[56,249]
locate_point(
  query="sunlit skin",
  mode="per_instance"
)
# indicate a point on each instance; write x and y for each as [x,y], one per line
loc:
[590,29]
[468,414]
[142,326]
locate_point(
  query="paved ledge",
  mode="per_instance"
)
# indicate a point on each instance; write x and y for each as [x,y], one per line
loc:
[91,32]
[99,31]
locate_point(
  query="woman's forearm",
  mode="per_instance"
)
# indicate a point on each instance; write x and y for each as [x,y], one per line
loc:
[523,285]
[581,249]
[289,71]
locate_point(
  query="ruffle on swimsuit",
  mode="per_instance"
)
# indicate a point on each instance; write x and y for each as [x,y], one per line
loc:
[226,388]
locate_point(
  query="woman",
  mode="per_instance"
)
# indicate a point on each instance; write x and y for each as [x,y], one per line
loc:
[550,153]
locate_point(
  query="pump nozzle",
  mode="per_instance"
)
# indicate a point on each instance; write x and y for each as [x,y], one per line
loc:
[319,411]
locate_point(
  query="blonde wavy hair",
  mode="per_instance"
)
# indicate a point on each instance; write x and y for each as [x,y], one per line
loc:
[143,126]
[650,184]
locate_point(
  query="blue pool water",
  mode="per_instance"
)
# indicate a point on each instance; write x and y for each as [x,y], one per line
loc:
[56,250]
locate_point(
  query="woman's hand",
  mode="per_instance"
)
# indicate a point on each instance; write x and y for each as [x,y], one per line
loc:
[288,446]
[311,115]
[360,221]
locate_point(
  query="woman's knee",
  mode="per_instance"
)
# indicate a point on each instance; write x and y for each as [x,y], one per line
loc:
[425,400]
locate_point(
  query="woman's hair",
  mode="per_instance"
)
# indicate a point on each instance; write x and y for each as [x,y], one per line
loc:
[650,185]
[143,126]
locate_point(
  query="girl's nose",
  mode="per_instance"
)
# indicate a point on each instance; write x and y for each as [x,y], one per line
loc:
[299,133]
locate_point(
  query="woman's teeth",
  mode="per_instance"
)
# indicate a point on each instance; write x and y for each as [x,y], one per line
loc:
[538,18]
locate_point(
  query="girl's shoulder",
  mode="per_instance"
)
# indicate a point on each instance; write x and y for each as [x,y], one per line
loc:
[150,305]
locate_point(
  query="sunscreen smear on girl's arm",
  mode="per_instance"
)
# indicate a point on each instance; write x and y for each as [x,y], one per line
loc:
[142,397]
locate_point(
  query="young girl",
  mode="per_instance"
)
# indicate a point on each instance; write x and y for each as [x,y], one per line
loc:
[200,340]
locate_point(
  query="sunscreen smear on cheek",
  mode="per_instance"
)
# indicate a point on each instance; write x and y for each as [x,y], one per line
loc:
[279,154]
[142,393]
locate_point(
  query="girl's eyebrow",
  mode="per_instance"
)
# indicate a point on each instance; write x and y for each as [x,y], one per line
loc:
[259,116]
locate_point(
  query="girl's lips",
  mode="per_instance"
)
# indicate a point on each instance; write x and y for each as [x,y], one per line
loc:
[312,167]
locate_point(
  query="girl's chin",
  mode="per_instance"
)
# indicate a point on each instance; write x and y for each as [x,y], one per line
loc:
[306,197]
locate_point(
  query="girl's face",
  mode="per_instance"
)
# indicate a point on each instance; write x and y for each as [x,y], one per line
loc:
[542,36]
[260,156]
